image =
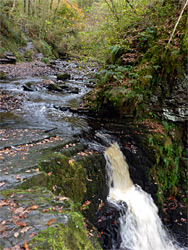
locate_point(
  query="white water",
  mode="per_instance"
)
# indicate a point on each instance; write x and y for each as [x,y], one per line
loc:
[141,227]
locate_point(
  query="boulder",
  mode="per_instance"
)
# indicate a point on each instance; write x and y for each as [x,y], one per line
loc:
[28,86]
[63,76]
[54,87]
[2,75]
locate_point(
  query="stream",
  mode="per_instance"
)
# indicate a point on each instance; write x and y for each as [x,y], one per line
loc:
[39,109]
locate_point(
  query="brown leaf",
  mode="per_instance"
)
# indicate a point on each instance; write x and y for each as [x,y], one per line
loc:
[21,223]
[3,222]
[35,207]
[33,234]
[45,210]
[2,228]
[2,184]
[19,210]
[18,177]
[26,245]
[4,203]
[25,229]
[63,198]
[50,222]
[15,219]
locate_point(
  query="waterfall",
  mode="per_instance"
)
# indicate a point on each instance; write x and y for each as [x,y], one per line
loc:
[140,227]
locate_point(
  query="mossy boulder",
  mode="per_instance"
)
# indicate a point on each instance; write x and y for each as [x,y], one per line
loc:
[67,176]
[66,237]
[54,87]
[2,75]
[64,76]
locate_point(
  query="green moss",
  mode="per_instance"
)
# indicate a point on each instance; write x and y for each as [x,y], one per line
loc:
[65,237]
[167,171]
[39,180]
[2,75]
[68,176]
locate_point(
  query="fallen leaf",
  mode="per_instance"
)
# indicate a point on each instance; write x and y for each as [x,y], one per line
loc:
[18,177]
[45,210]
[50,173]
[33,234]
[50,222]
[3,222]
[2,228]
[28,171]
[16,234]
[37,169]
[35,207]
[25,229]
[24,158]
[2,184]
[63,198]
[26,245]
[15,219]
[19,210]
[21,223]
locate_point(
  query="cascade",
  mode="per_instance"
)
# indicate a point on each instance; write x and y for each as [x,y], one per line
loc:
[140,227]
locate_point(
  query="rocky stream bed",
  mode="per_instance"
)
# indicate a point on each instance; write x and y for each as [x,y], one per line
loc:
[52,185]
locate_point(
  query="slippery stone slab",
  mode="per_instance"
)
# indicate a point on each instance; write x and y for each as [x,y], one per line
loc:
[25,213]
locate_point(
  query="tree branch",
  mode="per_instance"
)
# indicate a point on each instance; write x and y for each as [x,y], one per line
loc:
[186,3]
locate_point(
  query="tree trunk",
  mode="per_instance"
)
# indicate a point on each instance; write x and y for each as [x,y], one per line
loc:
[24,6]
[56,9]
[33,7]
[29,7]
[51,4]
[39,8]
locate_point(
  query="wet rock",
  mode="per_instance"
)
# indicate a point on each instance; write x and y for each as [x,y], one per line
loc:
[29,86]
[54,87]
[73,90]
[172,106]
[2,75]
[64,76]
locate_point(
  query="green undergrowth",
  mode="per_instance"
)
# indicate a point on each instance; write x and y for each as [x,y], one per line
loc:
[11,37]
[169,170]
[141,65]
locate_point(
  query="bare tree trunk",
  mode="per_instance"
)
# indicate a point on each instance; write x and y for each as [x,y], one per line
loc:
[39,8]
[29,7]
[33,7]
[14,5]
[128,2]
[186,4]
[56,9]
[51,4]
[112,10]
[24,6]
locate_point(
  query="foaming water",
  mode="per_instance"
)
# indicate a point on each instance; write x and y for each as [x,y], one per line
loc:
[140,227]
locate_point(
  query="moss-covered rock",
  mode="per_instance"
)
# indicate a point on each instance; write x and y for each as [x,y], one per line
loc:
[69,237]
[63,76]
[67,176]
[2,75]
